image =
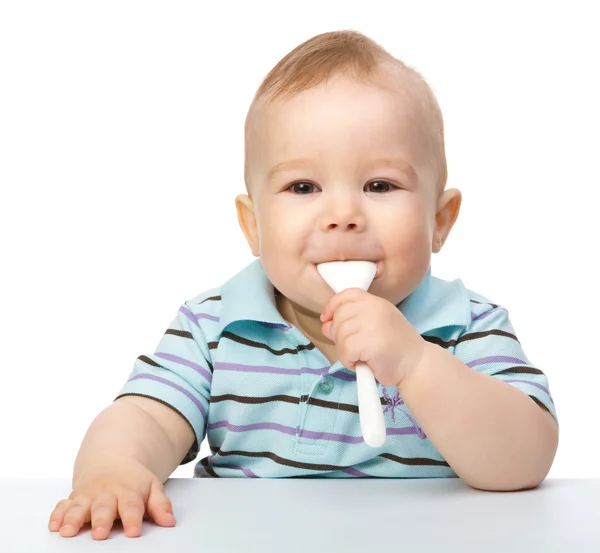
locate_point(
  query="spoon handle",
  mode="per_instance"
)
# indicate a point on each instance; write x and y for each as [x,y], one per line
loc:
[370,409]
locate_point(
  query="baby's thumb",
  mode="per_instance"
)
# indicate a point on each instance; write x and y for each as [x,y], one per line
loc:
[159,506]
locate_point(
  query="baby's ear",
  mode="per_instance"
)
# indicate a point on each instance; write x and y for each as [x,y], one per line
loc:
[448,207]
[247,220]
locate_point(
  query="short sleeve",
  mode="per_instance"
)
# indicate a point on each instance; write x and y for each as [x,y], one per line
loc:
[178,374]
[490,346]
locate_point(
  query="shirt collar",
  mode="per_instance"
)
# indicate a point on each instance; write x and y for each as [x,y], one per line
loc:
[435,303]
[249,295]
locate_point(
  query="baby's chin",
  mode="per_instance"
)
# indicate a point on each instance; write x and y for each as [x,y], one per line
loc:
[308,308]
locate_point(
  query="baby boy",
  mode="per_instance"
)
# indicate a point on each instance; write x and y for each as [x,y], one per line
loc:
[344,160]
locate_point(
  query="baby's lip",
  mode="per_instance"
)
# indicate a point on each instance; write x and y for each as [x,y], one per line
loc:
[350,258]
[335,248]
[378,271]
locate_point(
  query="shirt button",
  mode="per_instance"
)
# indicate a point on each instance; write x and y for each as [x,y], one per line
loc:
[326,385]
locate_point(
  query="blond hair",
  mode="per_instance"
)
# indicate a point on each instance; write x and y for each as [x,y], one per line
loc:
[350,54]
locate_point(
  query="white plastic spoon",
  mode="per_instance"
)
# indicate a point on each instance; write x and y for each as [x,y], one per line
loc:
[340,275]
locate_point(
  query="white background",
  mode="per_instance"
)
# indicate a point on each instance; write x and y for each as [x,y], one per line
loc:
[121,134]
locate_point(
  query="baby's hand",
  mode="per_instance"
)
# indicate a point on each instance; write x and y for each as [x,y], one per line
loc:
[371,329]
[125,489]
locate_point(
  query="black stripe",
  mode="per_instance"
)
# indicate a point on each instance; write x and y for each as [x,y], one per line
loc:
[317,466]
[193,451]
[159,401]
[288,399]
[252,343]
[180,333]
[149,361]
[477,335]
[540,403]
[414,460]
[484,303]
[438,341]
[208,468]
[520,370]
[254,400]
[330,405]
[212,298]
[469,336]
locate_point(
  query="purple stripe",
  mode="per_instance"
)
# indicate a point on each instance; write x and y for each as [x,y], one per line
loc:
[320,370]
[247,472]
[287,430]
[344,376]
[241,367]
[330,436]
[354,472]
[257,426]
[304,433]
[544,389]
[188,313]
[263,369]
[254,368]
[404,431]
[207,316]
[495,359]
[190,396]
[176,359]
[487,314]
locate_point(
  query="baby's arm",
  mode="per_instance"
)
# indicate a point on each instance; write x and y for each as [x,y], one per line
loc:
[129,451]
[493,435]
[486,408]
[139,428]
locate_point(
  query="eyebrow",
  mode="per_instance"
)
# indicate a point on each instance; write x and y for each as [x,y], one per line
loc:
[396,163]
[287,165]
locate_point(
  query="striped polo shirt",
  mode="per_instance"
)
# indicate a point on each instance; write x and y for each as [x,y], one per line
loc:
[272,405]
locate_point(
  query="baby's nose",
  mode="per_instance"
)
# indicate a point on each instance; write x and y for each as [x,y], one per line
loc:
[343,226]
[344,220]
[343,213]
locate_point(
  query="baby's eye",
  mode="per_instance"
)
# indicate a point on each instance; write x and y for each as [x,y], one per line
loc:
[302,187]
[380,186]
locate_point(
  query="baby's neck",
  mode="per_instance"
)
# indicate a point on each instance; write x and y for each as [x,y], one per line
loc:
[307,322]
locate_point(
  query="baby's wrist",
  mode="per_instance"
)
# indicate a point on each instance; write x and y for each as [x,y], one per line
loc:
[413,363]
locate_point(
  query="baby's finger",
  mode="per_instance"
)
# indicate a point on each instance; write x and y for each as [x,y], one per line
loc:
[326,329]
[103,514]
[75,517]
[58,514]
[160,508]
[131,511]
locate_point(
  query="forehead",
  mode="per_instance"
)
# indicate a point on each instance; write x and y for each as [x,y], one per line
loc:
[340,117]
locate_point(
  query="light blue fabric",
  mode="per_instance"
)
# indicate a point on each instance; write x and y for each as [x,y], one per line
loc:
[272,405]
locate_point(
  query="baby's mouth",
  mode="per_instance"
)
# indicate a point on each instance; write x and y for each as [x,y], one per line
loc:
[348,248]
[378,264]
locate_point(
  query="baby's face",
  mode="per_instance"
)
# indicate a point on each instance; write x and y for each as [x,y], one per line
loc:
[339,172]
